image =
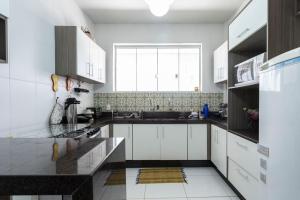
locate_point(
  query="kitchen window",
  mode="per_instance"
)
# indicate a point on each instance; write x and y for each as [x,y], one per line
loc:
[170,67]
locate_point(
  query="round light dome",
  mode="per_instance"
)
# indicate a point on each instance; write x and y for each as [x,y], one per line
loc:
[159,8]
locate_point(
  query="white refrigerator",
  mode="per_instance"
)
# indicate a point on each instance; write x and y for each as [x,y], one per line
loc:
[279,139]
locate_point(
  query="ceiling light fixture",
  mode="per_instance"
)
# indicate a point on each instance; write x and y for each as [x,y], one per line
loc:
[159,8]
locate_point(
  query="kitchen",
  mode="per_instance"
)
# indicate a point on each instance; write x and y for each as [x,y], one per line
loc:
[148,99]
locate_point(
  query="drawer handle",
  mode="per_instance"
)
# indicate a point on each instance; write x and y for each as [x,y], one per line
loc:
[242,175]
[242,146]
[243,32]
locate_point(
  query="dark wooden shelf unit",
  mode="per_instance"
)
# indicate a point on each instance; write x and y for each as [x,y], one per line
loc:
[247,95]
[283,27]
[238,100]
[245,86]
[248,134]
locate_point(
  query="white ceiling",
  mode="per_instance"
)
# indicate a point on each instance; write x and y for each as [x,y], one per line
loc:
[182,11]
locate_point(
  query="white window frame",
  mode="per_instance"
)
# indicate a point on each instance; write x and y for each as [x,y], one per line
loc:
[157,45]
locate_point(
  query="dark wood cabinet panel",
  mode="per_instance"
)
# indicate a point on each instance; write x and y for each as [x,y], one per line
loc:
[3,39]
[283,27]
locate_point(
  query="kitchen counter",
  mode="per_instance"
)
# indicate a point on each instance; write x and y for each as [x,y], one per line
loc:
[108,120]
[80,171]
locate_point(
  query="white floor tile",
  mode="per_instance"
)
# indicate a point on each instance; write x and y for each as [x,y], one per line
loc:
[169,199]
[202,171]
[205,186]
[132,172]
[134,191]
[211,198]
[173,190]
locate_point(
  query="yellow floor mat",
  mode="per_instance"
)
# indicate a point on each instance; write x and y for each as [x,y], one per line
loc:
[161,175]
[117,177]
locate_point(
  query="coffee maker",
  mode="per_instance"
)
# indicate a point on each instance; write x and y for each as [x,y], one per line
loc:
[71,110]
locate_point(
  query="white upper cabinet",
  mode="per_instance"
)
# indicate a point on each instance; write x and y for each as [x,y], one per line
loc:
[83,55]
[78,56]
[4,8]
[102,66]
[197,142]
[250,20]
[221,63]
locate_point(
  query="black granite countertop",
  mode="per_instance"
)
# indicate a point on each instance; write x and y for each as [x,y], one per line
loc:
[222,123]
[35,156]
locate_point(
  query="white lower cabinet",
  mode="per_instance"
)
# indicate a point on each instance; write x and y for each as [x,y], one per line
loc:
[219,149]
[174,142]
[245,183]
[105,131]
[160,142]
[146,142]
[125,131]
[197,142]
[244,153]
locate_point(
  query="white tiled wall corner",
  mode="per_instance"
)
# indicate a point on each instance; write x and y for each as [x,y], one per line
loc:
[27,98]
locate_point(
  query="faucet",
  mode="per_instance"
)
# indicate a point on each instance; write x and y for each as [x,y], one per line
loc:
[170,104]
[151,105]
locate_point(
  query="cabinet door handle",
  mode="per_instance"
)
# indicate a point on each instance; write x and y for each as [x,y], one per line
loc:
[157,132]
[243,32]
[242,146]
[242,175]
[163,132]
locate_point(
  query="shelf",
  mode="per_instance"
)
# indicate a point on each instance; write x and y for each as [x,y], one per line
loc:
[248,134]
[250,85]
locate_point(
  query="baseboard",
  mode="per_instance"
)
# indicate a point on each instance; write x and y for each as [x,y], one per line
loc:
[229,184]
[168,163]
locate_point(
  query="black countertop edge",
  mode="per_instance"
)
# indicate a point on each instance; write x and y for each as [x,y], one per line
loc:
[105,121]
[250,136]
[246,135]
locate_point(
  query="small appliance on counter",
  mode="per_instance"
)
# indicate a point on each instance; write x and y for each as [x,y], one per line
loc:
[71,110]
[223,110]
[205,111]
[248,72]
[194,115]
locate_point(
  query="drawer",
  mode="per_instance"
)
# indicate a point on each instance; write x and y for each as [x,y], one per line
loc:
[244,153]
[246,184]
[250,20]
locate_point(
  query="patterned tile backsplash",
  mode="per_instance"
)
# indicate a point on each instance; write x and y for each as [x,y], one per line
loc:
[164,101]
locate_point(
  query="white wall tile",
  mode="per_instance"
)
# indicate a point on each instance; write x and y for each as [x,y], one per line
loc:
[45,99]
[30,99]
[23,103]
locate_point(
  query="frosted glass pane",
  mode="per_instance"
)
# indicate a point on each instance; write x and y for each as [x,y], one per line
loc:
[189,69]
[146,69]
[126,70]
[168,69]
